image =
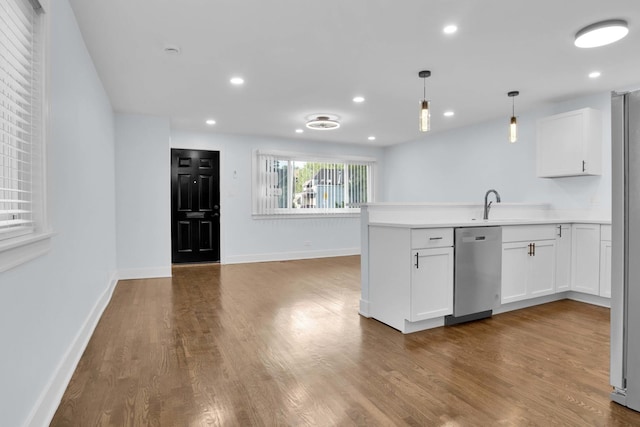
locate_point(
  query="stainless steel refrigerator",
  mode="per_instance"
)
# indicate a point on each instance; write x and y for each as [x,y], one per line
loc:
[625,261]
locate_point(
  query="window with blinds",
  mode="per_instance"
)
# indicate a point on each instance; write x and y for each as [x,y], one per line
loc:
[20,98]
[298,184]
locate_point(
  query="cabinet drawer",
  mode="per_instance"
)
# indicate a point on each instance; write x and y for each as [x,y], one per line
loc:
[605,233]
[528,233]
[431,237]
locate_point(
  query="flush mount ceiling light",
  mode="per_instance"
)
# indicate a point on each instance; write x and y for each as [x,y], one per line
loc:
[448,113]
[323,122]
[210,122]
[425,114]
[237,81]
[513,124]
[601,33]
[358,99]
[594,74]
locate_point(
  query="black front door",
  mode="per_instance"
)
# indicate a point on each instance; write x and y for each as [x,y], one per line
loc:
[195,206]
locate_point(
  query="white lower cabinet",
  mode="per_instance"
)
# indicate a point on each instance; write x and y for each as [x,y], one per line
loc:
[410,275]
[563,257]
[585,258]
[528,270]
[605,261]
[431,283]
[528,266]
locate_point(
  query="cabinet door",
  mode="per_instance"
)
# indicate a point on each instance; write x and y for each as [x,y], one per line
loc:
[515,271]
[569,144]
[559,145]
[431,283]
[585,258]
[543,269]
[605,269]
[563,258]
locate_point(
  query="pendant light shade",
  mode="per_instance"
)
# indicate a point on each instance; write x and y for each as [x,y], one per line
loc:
[513,123]
[425,110]
[425,117]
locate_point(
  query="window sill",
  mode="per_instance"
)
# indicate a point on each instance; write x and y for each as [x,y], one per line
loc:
[17,251]
[307,215]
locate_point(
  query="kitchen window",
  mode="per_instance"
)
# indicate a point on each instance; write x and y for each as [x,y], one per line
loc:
[23,224]
[304,185]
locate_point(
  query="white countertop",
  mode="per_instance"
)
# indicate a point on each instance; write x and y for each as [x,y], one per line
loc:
[445,223]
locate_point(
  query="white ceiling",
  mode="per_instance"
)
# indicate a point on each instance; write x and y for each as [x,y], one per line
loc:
[300,57]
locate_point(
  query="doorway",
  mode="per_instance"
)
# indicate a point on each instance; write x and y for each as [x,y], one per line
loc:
[195,206]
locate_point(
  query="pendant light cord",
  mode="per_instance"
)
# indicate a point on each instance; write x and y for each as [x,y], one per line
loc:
[424,88]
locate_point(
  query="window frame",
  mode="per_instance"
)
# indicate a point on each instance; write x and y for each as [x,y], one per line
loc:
[18,248]
[293,156]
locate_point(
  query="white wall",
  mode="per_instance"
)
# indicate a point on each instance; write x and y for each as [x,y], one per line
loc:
[48,305]
[461,165]
[143,196]
[247,239]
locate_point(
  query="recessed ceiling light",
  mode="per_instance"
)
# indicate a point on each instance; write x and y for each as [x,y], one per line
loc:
[450,29]
[601,33]
[448,113]
[210,122]
[237,81]
[299,130]
[358,99]
[372,138]
[594,74]
[171,49]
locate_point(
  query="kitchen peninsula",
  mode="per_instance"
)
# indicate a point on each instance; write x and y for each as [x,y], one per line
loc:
[407,262]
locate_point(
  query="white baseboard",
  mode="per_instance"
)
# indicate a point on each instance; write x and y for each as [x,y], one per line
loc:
[144,273]
[589,299]
[49,399]
[289,256]
[364,308]
[517,305]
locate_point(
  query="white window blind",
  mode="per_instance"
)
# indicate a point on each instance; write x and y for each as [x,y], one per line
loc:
[20,95]
[287,184]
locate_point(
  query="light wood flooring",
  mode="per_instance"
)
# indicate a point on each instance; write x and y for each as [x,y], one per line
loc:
[282,343]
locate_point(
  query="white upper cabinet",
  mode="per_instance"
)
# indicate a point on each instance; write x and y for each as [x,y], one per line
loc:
[570,144]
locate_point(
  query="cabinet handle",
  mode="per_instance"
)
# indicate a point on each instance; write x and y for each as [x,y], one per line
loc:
[559,231]
[435,238]
[583,166]
[529,253]
[534,249]
[417,261]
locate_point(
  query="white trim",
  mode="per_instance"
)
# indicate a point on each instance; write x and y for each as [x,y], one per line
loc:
[589,299]
[17,251]
[364,308]
[49,400]
[290,256]
[144,273]
[517,305]
[313,213]
[297,155]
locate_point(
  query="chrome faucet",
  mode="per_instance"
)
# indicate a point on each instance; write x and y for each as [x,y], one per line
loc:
[487,206]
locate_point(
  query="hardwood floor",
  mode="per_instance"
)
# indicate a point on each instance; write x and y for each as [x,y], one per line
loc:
[282,343]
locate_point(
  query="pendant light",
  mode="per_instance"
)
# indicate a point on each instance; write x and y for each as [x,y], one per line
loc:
[425,113]
[513,124]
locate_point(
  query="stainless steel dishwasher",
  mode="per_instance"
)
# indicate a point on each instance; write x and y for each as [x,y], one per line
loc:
[477,273]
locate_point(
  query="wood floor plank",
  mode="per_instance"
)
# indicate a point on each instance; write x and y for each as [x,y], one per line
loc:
[282,343]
